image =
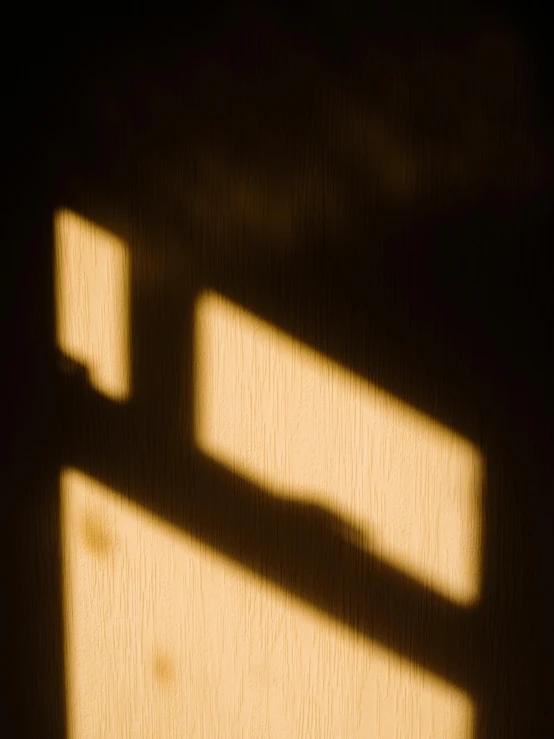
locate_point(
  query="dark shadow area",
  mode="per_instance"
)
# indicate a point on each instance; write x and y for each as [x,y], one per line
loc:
[381,193]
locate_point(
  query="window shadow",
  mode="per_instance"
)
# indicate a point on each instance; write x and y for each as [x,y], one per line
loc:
[440,296]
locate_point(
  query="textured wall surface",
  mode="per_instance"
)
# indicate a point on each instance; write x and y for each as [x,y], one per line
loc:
[165,637]
[279,380]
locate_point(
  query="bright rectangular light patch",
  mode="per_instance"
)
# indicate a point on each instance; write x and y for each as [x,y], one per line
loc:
[164,638]
[92,302]
[301,426]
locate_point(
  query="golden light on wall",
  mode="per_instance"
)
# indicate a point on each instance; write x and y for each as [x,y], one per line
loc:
[92,302]
[299,425]
[164,638]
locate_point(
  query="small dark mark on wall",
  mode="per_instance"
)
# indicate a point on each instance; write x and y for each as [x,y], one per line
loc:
[98,538]
[163,667]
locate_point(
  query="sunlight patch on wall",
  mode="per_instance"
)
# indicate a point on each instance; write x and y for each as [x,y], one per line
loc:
[92,302]
[301,426]
[164,638]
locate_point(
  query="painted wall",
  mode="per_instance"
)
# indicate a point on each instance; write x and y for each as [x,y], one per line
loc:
[279,387]
[167,636]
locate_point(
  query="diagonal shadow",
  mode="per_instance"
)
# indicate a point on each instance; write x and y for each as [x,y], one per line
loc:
[303,548]
[468,348]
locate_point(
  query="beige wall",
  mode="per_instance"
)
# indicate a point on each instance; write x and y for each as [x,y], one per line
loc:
[165,636]
[293,476]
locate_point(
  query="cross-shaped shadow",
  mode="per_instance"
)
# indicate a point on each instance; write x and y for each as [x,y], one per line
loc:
[432,296]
